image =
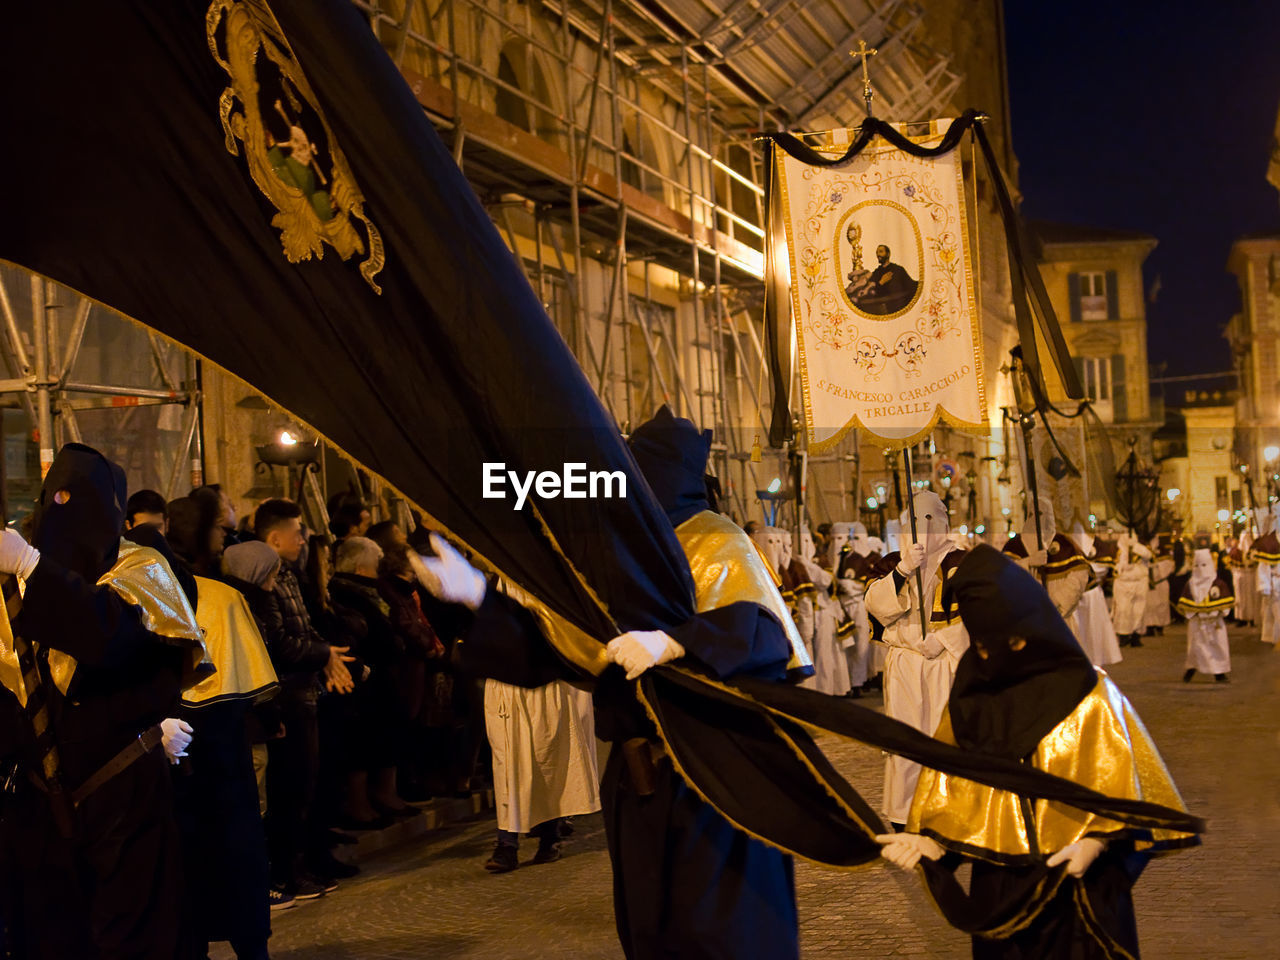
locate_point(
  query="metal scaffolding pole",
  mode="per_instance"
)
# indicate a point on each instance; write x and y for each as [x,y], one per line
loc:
[654,366]
[40,334]
[601,47]
[619,281]
[668,335]
[589,346]
[75,338]
[16,357]
[716,320]
[575,215]
[195,395]
[695,272]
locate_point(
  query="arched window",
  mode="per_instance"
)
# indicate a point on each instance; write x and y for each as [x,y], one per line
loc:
[509,105]
[531,109]
[641,161]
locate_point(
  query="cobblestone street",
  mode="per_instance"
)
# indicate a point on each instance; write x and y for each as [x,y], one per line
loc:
[431,899]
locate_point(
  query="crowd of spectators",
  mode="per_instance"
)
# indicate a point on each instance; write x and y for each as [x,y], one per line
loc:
[370,714]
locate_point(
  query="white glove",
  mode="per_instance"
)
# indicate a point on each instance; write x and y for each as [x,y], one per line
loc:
[16,555]
[906,849]
[456,581]
[176,738]
[1078,856]
[912,558]
[425,577]
[639,650]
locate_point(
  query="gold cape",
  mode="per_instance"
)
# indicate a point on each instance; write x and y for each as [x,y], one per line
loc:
[727,567]
[235,646]
[143,578]
[1101,744]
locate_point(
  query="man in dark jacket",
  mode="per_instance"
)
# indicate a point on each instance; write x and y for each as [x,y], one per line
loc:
[300,655]
[108,640]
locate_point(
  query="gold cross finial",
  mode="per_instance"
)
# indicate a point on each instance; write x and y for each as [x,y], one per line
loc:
[864,52]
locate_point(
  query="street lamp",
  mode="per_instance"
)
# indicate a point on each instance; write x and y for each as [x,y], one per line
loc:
[301,461]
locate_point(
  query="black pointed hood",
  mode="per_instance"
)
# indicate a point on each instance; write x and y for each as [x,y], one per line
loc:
[80,514]
[672,454]
[1007,702]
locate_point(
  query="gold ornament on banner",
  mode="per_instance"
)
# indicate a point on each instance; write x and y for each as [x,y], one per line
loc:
[270,113]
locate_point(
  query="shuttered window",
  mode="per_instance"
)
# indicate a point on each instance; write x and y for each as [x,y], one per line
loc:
[1119,398]
[1093,296]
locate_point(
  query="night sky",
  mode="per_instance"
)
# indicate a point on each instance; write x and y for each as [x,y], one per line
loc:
[1155,117]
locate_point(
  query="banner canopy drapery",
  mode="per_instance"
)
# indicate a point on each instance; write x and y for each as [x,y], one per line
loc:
[887,328]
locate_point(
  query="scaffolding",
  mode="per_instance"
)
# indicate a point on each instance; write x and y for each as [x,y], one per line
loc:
[620,138]
[62,352]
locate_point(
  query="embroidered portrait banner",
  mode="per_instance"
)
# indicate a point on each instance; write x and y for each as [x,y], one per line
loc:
[887,331]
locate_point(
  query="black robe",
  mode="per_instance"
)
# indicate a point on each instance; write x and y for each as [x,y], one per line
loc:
[894,290]
[114,889]
[1008,704]
[686,882]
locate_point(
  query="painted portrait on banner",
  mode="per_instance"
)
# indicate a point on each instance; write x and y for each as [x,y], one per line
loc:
[879,285]
[886,323]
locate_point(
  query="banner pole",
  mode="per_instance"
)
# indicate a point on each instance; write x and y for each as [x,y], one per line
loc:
[1027,406]
[915,538]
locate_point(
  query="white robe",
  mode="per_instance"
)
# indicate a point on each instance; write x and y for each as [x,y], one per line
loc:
[1269,600]
[856,643]
[803,615]
[918,673]
[1129,597]
[1066,590]
[1158,613]
[544,753]
[1245,581]
[830,667]
[1095,631]
[1207,647]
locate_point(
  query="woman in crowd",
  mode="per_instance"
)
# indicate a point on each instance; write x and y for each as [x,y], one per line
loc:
[251,568]
[373,727]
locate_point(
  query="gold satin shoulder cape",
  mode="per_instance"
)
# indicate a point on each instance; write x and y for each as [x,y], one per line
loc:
[235,646]
[143,578]
[1102,745]
[727,567]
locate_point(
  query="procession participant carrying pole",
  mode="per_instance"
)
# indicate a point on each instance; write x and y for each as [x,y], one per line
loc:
[1253,503]
[915,538]
[1026,420]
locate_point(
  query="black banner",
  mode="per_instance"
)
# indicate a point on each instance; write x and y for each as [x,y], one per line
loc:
[160,157]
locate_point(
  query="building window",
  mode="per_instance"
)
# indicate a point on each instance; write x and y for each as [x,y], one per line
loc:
[1097,378]
[1223,494]
[1093,296]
